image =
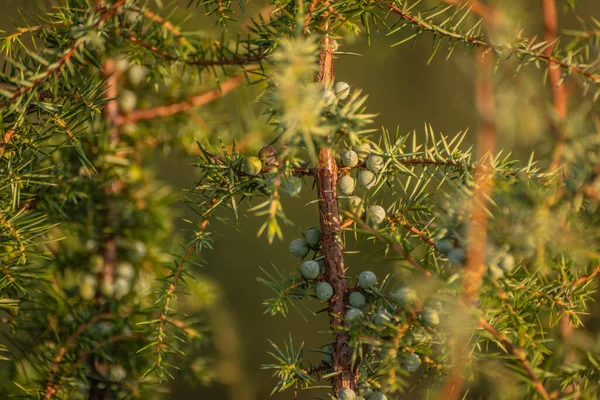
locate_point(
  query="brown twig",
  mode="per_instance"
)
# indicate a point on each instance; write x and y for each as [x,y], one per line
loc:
[85,355]
[62,61]
[8,134]
[394,246]
[559,94]
[169,56]
[171,109]
[50,385]
[171,289]
[553,61]
[331,244]
[519,354]
[166,24]
[413,229]
[309,14]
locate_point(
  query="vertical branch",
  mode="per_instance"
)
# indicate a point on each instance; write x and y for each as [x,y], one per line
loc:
[477,234]
[111,113]
[560,102]
[559,94]
[112,188]
[484,172]
[331,244]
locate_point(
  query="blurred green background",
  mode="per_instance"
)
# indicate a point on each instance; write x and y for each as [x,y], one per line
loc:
[405,91]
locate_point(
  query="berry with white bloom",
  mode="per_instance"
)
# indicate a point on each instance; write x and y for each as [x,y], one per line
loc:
[431,318]
[382,317]
[457,256]
[347,394]
[376,214]
[363,150]
[367,280]
[346,184]
[342,90]
[353,315]
[292,185]
[411,363]
[405,297]
[349,158]
[310,269]
[357,300]
[445,246]
[366,179]
[313,237]
[324,291]
[299,248]
[375,163]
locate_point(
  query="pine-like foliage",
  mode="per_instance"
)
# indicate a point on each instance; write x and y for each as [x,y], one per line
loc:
[495,259]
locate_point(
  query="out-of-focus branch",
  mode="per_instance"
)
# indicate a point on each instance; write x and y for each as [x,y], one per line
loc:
[50,385]
[559,94]
[477,235]
[171,109]
[519,355]
[166,55]
[583,70]
[486,12]
[62,61]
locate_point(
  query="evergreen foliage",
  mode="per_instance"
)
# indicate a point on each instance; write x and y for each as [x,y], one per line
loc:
[496,258]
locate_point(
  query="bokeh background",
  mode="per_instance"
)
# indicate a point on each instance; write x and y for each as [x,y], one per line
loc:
[405,91]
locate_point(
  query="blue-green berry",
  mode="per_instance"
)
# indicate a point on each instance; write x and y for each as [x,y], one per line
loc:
[457,256]
[349,158]
[299,248]
[367,280]
[353,316]
[357,300]
[405,297]
[313,237]
[366,179]
[375,163]
[346,394]
[445,246]
[431,317]
[411,362]
[292,185]
[376,214]
[310,269]
[377,396]
[382,317]
[346,184]
[324,291]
